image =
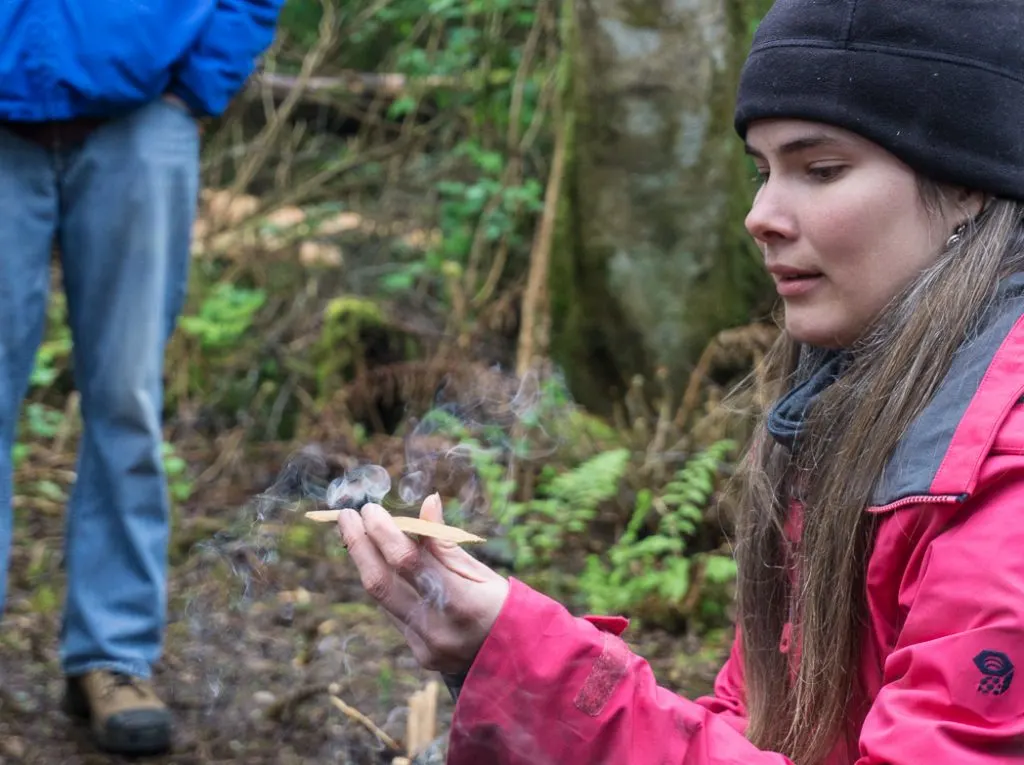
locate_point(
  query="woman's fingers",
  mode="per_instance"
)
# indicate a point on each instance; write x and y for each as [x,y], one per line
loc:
[444,600]
[416,563]
[378,576]
[401,552]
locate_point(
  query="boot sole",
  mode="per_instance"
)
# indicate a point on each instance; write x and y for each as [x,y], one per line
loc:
[141,732]
[146,731]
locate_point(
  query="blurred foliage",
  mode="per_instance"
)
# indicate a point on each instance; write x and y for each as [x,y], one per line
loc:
[382,232]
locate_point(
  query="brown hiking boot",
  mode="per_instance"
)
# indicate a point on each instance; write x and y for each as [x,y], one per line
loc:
[125,714]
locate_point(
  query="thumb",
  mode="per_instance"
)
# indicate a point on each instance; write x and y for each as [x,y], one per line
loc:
[432,509]
[449,554]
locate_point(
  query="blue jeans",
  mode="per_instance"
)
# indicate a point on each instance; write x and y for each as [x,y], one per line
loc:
[121,205]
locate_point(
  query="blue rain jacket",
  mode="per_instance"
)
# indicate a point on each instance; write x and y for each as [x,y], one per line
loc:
[61,59]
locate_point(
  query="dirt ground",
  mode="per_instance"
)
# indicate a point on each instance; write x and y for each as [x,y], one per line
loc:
[266,621]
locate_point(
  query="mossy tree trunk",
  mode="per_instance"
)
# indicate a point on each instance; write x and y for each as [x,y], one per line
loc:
[651,258]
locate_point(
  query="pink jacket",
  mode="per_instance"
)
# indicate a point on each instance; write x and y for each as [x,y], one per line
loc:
[945,593]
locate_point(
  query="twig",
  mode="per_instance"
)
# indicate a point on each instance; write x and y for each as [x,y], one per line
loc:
[512,175]
[411,116]
[554,86]
[692,393]
[278,119]
[519,84]
[654,462]
[476,249]
[354,714]
[494,275]
[277,410]
[535,311]
[38,504]
[68,423]
[283,707]
[302,191]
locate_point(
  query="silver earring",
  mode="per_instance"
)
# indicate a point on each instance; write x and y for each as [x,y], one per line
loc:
[958,233]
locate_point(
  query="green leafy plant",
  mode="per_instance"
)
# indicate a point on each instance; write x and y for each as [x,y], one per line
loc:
[564,505]
[224,316]
[179,483]
[42,421]
[55,350]
[39,423]
[212,355]
[483,61]
[638,569]
[339,349]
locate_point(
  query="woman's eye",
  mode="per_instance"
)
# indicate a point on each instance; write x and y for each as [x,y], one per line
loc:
[826,172]
[760,178]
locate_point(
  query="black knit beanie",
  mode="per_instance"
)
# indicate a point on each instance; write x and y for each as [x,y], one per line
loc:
[938,83]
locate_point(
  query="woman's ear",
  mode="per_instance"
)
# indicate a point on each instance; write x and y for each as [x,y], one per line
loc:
[971,202]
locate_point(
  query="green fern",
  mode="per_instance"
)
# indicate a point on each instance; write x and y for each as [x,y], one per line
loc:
[592,482]
[687,493]
[657,568]
[565,505]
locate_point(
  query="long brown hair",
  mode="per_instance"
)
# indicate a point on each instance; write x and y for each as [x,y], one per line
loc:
[849,436]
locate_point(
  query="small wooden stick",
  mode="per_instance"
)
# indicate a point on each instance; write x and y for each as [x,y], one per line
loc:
[412,727]
[354,714]
[409,525]
[421,727]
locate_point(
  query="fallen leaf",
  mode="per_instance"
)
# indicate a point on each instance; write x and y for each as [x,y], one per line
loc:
[285,217]
[317,254]
[340,223]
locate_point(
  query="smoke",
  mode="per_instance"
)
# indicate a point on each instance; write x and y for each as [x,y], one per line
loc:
[455,448]
[466,446]
[366,483]
[429,584]
[464,436]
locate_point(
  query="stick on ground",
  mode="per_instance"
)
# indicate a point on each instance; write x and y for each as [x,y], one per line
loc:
[354,714]
[421,728]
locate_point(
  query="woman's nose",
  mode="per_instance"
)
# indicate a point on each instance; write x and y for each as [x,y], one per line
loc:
[768,219]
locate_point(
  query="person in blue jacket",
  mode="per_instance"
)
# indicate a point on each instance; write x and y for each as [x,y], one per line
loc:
[99,150]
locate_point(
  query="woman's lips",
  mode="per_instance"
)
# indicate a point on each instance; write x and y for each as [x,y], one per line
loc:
[791,281]
[794,286]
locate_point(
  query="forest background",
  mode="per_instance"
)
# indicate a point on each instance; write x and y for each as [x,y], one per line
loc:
[495,246]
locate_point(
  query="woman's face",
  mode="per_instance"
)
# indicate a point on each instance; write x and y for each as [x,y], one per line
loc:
[841,224]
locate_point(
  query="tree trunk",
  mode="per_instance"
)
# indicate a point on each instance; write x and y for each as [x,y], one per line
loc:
[651,258]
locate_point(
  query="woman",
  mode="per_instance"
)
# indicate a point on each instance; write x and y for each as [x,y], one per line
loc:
[881,555]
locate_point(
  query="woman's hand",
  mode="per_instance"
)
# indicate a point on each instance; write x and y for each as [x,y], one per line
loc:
[443,599]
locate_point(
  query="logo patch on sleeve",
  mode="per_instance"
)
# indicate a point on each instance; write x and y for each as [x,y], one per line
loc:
[608,670]
[997,672]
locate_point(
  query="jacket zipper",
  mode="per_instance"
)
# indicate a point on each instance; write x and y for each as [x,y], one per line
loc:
[920,499]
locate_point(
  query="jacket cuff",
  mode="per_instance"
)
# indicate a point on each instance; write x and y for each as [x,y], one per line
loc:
[534,645]
[454,683]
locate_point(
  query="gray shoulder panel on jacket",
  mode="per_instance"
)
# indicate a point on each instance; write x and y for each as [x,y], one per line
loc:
[916,461]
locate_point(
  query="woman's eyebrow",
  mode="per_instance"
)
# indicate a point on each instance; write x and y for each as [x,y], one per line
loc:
[797,145]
